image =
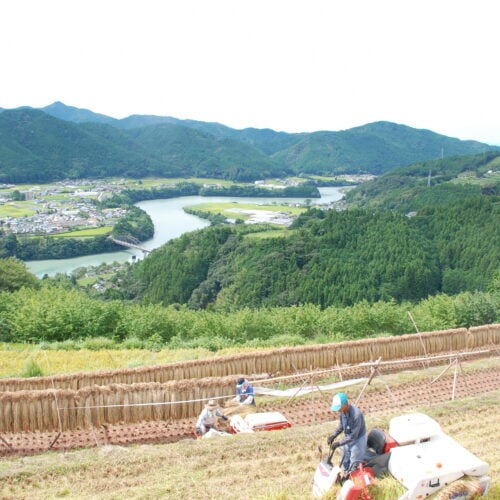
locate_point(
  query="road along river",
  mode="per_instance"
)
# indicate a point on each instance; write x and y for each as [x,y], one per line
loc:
[170,221]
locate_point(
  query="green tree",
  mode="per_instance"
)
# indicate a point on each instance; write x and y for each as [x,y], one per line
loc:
[475,309]
[14,275]
[17,195]
[8,245]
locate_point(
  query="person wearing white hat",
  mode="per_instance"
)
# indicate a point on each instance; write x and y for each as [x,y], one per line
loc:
[208,418]
[352,424]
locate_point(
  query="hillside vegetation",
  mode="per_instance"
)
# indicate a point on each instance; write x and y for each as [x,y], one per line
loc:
[374,148]
[435,183]
[36,147]
[329,258]
[61,142]
[55,315]
[405,235]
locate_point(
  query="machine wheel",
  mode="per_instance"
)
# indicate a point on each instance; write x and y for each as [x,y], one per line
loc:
[376,440]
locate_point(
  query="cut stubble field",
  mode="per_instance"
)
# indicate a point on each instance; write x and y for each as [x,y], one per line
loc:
[268,465]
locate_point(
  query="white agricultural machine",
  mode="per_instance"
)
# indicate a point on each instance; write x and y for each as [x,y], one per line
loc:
[253,422]
[418,454]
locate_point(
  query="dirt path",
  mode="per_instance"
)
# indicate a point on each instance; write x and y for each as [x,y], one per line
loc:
[304,411]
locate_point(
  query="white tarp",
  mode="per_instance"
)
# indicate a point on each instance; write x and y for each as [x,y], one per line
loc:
[306,389]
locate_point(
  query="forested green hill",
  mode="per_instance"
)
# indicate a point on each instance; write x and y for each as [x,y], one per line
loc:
[329,258]
[435,228]
[199,154]
[375,148]
[76,115]
[61,141]
[431,183]
[36,147]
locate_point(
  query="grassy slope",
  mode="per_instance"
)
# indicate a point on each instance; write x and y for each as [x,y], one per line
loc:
[271,465]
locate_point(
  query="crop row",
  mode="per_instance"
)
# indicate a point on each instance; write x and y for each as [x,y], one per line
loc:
[178,390]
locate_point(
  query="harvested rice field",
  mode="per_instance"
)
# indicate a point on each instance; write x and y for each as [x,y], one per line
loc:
[276,465]
[160,457]
[397,392]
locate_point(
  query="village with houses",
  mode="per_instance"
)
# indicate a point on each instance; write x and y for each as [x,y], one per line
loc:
[57,208]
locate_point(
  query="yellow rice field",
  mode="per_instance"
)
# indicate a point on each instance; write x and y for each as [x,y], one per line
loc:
[13,360]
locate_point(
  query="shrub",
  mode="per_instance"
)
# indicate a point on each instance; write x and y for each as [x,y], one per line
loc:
[65,345]
[155,342]
[277,341]
[474,309]
[212,344]
[98,343]
[32,369]
[132,343]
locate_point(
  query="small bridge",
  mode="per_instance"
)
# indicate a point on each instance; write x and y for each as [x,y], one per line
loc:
[126,240]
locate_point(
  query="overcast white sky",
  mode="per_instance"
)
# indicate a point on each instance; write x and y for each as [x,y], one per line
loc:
[291,65]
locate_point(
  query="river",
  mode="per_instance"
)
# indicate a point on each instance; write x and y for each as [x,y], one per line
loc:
[170,221]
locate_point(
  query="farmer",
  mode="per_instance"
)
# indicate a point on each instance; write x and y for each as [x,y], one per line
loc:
[244,392]
[208,418]
[352,424]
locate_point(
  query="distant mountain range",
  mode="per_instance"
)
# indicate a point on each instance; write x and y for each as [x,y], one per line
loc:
[60,141]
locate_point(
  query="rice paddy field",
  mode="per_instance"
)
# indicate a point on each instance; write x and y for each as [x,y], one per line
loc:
[153,182]
[276,465]
[14,358]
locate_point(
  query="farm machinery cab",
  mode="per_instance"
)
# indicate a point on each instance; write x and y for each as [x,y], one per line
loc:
[418,454]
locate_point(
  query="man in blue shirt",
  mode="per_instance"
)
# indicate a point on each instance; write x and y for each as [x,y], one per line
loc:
[244,392]
[352,424]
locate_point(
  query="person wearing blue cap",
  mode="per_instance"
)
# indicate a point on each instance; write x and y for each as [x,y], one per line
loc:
[352,424]
[244,392]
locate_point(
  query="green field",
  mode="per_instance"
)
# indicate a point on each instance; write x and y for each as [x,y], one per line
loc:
[17,209]
[275,233]
[84,233]
[472,178]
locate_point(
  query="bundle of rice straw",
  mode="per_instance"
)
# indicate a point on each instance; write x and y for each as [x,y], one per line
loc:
[467,487]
